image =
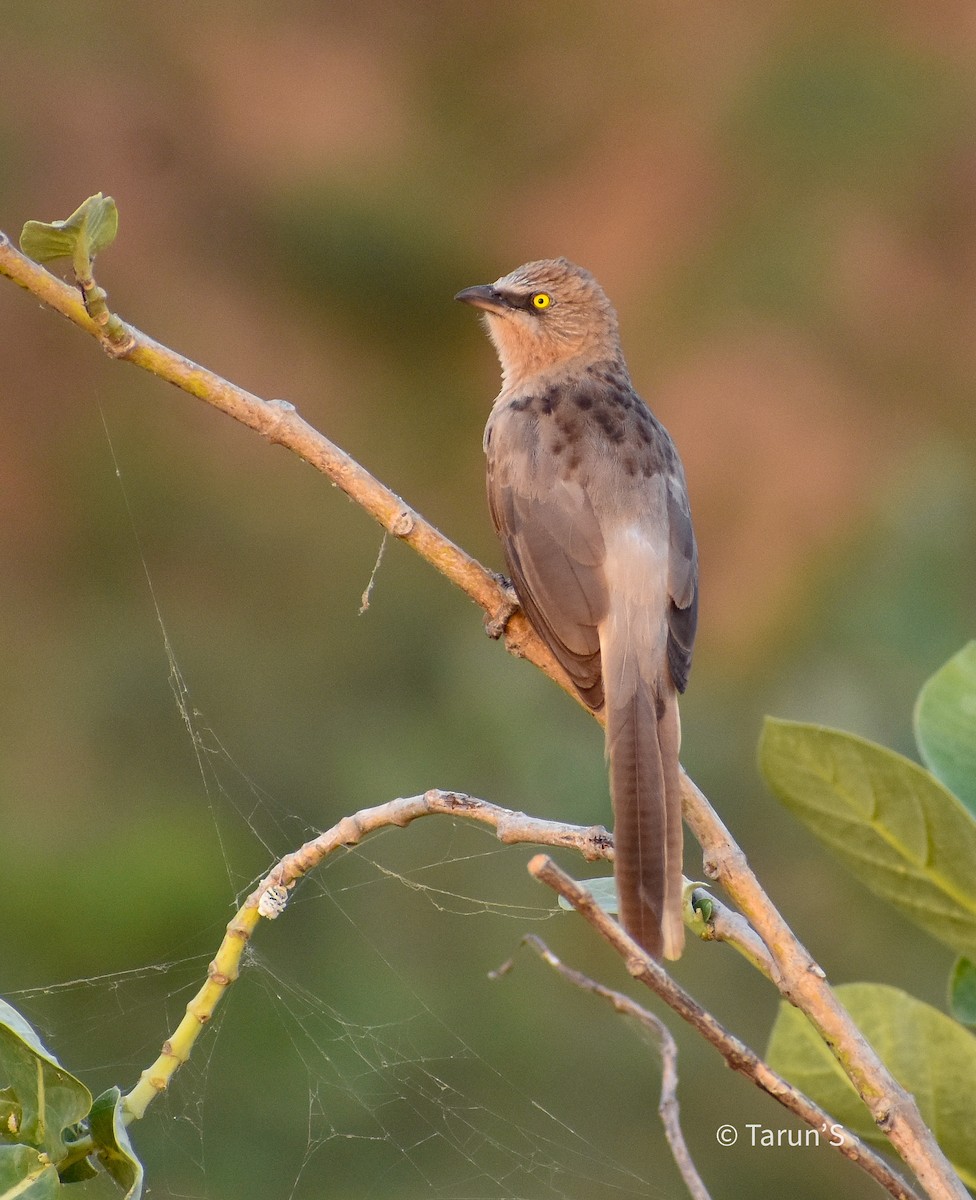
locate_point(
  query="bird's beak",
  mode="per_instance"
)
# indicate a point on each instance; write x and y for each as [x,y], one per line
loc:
[486,297]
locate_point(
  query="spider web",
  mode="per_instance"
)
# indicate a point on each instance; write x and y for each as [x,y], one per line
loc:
[408,1104]
[389,1074]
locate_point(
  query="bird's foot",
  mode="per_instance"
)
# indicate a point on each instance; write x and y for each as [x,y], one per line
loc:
[495,622]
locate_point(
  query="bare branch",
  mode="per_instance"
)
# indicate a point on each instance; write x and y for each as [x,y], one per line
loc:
[735,1052]
[668,1107]
[592,842]
[269,898]
[279,422]
[803,982]
[796,974]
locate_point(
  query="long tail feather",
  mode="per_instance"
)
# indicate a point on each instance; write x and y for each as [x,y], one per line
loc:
[643,738]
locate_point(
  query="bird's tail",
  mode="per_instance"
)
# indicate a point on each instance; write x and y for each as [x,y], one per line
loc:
[643,740]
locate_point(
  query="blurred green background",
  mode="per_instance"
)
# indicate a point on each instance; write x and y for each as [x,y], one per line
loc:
[780,198]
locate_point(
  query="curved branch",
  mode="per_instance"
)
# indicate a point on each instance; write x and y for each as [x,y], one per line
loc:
[799,977]
[279,422]
[270,896]
[668,1108]
[735,1052]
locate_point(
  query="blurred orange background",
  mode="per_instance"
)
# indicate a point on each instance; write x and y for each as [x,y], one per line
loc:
[781,200]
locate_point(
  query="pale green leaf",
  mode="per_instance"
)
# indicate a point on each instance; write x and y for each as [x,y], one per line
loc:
[44,242]
[945,725]
[101,223]
[962,991]
[603,889]
[927,1052]
[112,1143]
[45,1098]
[89,229]
[25,1175]
[902,833]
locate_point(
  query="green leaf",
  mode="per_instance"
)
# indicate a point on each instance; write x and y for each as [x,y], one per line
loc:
[926,1051]
[44,242]
[903,834]
[27,1175]
[112,1143]
[945,725]
[49,1098]
[962,991]
[90,228]
[702,904]
[101,223]
[603,889]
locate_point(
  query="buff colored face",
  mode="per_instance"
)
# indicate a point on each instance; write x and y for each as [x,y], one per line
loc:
[545,314]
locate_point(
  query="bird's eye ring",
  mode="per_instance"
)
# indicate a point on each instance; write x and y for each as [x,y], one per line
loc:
[541,300]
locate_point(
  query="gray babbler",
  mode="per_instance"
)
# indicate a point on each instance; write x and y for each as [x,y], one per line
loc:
[588,496]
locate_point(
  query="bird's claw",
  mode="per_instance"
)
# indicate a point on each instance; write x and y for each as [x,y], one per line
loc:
[495,622]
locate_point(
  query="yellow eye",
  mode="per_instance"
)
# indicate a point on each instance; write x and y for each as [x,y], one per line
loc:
[541,300]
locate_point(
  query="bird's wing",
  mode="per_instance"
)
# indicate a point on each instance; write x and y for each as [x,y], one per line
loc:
[682,581]
[555,552]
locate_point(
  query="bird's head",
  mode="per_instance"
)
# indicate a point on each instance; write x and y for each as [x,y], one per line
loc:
[545,314]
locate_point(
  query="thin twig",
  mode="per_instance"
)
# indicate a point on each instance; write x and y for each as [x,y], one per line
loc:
[798,976]
[668,1107]
[735,1052]
[723,924]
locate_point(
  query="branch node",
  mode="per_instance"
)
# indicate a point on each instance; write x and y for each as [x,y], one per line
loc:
[219,977]
[349,831]
[636,966]
[404,523]
[117,347]
[280,411]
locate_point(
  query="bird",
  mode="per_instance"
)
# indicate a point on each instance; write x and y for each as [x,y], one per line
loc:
[587,494]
